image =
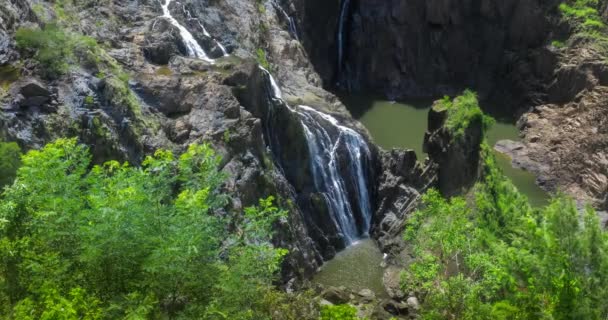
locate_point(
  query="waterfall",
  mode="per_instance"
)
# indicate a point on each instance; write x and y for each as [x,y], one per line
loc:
[192,46]
[219,44]
[345,5]
[293,29]
[194,49]
[325,138]
[222,48]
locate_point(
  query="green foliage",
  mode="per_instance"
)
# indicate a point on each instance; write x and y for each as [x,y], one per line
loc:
[262,60]
[463,111]
[52,46]
[116,241]
[8,75]
[339,312]
[497,258]
[261,7]
[10,160]
[584,15]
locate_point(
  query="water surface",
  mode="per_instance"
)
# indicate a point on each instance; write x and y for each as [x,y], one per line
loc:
[392,124]
[356,267]
[403,124]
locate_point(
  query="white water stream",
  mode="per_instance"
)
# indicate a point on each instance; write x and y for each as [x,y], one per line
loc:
[329,179]
[192,46]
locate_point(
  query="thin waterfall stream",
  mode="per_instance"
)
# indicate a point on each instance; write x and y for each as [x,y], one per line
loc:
[192,46]
[344,7]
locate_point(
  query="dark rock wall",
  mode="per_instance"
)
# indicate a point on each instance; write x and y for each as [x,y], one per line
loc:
[419,48]
[457,158]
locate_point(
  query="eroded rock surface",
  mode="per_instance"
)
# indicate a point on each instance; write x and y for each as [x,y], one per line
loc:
[566,146]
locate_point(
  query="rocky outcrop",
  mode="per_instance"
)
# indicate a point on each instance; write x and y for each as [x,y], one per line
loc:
[457,157]
[163,41]
[403,179]
[566,146]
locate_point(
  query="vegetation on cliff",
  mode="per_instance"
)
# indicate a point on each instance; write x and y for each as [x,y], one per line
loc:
[586,20]
[462,111]
[493,256]
[121,242]
[10,160]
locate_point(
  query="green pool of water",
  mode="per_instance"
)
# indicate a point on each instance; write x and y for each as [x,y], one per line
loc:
[523,180]
[357,267]
[402,125]
[391,124]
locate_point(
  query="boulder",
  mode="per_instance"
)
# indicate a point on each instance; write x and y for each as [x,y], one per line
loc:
[395,307]
[162,41]
[336,295]
[367,295]
[35,94]
[413,303]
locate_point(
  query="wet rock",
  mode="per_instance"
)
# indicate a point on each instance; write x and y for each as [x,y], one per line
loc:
[336,295]
[430,48]
[367,295]
[162,41]
[413,303]
[34,94]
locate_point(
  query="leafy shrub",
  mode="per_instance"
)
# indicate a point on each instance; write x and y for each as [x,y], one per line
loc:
[55,49]
[10,160]
[116,241]
[339,312]
[462,112]
[497,258]
[262,60]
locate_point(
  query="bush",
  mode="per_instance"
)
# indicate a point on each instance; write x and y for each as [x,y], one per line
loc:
[462,112]
[339,312]
[10,160]
[262,60]
[497,258]
[54,48]
[116,241]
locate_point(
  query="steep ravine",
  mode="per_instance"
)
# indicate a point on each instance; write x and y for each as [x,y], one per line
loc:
[194,75]
[183,88]
[501,49]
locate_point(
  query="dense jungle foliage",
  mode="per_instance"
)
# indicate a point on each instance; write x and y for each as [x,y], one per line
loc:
[490,255]
[121,242]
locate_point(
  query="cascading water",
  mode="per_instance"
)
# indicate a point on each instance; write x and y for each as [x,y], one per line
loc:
[219,45]
[293,29]
[192,46]
[194,49]
[344,7]
[326,138]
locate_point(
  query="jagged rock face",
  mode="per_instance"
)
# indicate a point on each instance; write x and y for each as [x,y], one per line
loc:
[566,146]
[288,134]
[400,184]
[458,158]
[421,48]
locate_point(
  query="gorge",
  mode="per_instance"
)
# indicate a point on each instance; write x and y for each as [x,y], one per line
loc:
[346,114]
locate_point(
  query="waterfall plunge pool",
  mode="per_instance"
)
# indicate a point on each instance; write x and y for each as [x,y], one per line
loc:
[403,124]
[356,267]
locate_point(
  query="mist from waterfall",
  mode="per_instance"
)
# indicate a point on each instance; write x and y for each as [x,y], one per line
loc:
[329,180]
